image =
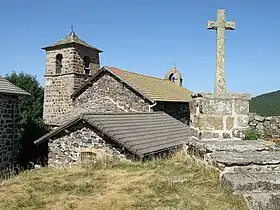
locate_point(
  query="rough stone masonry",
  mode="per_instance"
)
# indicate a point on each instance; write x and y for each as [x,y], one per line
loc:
[220,26]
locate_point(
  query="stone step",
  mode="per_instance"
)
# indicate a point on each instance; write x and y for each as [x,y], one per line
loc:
[229,159]
[253,169]
[244,182]
[263,201]
[208,146]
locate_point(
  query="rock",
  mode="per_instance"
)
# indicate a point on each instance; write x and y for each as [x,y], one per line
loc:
[36,166]
[228,159]
[209,135]
[231,145]
[238,133]
[259,118]
[268,118]
[245,182]
[226,135]
[263,200]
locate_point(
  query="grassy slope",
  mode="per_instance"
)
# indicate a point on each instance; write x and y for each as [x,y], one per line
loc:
[267,104]
[176,183]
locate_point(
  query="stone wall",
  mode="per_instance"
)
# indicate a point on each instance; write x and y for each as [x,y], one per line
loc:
[220,117]
[72,61]
[59,87]
[178,110]
[9,131]
[68,148]
[107,87]
[106,95]
[267,127]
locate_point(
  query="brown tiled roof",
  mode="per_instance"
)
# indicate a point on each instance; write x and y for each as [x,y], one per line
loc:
[71,38]
[9,88]
[141,133]
[154,89]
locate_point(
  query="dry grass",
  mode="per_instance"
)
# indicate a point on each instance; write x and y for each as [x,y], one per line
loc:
[178,182]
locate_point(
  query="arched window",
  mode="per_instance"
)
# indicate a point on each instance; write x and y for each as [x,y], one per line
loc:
[87,64]
[58,63]
[172,77]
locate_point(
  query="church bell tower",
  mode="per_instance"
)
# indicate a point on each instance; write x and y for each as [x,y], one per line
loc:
[69,63]
[175,76]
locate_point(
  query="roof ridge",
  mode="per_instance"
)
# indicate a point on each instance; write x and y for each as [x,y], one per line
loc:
[131,72]
[136,73]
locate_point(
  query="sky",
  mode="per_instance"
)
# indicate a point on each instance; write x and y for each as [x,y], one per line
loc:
[147,37]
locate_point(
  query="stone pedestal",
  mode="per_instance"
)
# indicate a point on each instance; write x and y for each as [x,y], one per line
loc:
[220,117]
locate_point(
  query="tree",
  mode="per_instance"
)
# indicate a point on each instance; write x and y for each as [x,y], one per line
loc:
[31,117]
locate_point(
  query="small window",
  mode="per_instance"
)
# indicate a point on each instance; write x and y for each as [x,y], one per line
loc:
[87,64]
[88,156]
[58,64]
[172,77]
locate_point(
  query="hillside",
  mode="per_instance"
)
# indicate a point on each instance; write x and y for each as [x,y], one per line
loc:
[266,104]
[178,182]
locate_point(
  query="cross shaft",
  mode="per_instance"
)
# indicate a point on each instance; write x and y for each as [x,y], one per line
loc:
[220,26]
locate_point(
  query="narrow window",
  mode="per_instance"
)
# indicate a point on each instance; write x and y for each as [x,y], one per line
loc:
[87,64]
[58,63]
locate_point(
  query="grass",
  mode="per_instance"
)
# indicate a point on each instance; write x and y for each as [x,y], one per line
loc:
[178,182]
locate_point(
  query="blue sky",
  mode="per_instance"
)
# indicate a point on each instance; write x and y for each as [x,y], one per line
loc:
[148,36]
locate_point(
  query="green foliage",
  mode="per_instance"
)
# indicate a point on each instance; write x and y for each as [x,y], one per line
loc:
[267,104]
[31,107]
[31,113]
[251,134]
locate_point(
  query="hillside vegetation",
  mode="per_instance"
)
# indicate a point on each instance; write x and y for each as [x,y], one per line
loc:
[267,104]
[178,182]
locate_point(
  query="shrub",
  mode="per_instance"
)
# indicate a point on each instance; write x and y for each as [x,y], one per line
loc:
[251,134]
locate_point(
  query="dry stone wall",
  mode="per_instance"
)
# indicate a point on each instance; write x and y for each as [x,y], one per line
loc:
[267,127]
[220,117]
[9,131]
[68,148]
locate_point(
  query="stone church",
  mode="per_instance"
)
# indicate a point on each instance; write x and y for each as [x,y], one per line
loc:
[92,108]
[124,113]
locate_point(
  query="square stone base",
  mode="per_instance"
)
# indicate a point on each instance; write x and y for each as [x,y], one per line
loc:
[220,117]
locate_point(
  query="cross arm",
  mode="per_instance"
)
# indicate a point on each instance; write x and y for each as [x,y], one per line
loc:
[230,25]
[212,25]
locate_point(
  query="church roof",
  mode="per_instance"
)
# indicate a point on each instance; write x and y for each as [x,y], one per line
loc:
[72,38]
[9,88]
[152,88]
[140,133]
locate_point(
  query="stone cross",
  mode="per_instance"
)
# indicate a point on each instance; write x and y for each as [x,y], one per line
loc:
[220,26]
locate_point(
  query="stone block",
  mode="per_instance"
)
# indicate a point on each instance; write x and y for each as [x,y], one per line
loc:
[209,135]
[253,157]
[238,132]
[217,106]
[263,200]
[242,121]
[211,123]
[229,123]
[259,118]
[241,106]
[226,135]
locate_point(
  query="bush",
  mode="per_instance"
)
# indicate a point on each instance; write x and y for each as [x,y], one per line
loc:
[252,134]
